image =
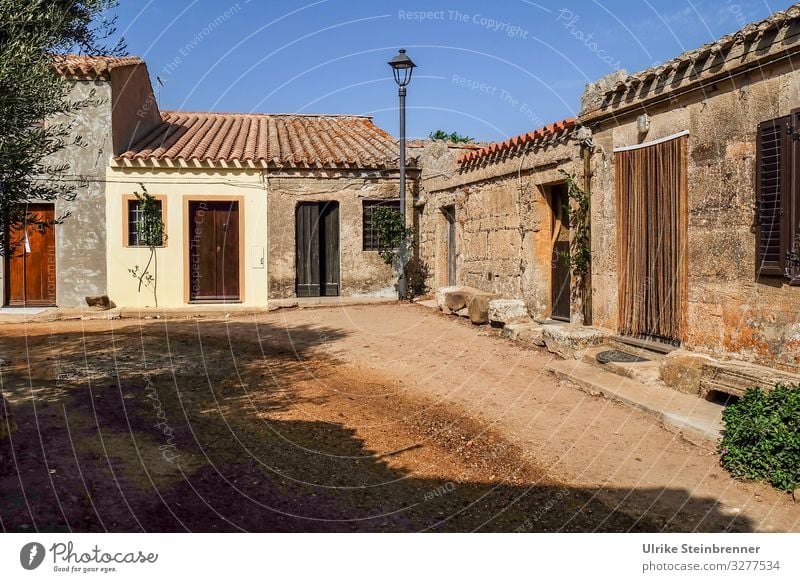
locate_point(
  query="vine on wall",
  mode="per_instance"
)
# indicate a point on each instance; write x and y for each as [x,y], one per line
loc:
[151,233]
[579,258]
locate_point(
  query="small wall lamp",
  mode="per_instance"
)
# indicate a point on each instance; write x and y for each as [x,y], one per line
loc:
[643,123]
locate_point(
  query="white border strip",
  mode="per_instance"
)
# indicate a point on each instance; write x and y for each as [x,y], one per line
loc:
[651,143]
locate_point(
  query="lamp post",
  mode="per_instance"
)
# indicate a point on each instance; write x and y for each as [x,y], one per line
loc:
[403,68]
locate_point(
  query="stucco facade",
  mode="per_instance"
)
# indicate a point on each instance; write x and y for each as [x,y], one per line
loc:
[176,188]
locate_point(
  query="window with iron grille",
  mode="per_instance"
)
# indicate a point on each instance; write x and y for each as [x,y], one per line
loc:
[372,241]
[778,206]
[135,238]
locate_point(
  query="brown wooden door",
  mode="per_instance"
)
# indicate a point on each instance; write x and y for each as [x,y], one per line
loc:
[214,251]
[317,249]
[560,272]
[31,267]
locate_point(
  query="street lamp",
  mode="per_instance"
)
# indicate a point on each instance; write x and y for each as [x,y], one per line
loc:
[403,68]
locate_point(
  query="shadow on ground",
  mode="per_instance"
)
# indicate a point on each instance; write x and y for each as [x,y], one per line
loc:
[183,428]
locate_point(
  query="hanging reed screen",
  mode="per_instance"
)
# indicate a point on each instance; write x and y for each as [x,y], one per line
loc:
[651,223]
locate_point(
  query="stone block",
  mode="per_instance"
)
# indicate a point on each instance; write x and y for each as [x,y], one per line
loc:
[735,378]
[512,330]
[681,370]
[442,292]
[463,312]
[505,311]
[456,300]
[98,301]
[479,308]
[533,335]
[569,340]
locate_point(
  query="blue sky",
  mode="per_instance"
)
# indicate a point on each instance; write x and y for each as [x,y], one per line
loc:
[489,70]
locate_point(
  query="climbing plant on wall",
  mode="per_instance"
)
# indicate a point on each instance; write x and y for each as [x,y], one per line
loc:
[579,257]
[151,234]
[388,224]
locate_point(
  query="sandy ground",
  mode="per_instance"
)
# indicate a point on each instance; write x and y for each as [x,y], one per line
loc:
[367,418]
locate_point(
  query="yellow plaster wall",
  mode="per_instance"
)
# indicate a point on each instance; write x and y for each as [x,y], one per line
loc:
[175,186]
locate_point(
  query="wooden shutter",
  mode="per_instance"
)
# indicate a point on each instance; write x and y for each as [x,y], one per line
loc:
[792,206]
[773,192]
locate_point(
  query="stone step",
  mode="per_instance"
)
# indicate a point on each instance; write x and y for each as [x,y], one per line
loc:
[683,411]
[645,372]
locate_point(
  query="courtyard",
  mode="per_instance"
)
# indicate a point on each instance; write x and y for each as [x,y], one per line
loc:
[361,418]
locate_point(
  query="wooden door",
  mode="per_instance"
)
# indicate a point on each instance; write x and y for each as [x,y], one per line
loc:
[560,271]
[317,249]
[214,251]
[31,267]
[450,216]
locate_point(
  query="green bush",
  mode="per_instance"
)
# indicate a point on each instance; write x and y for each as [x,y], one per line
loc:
[762,437]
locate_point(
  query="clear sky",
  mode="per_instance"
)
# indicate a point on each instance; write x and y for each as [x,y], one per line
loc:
[487,69]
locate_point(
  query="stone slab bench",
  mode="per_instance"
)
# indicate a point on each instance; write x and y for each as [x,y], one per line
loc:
[735,378]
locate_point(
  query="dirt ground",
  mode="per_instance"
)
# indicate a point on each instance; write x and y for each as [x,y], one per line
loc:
[367,418]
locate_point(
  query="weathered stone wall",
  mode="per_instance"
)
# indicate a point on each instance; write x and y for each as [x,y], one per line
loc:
[730,310]
[504,223]
[81,239]
[362,272]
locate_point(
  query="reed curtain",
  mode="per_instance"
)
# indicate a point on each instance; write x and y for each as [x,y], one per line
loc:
[652,223]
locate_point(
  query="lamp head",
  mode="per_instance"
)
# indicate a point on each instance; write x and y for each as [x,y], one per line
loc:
[402,67]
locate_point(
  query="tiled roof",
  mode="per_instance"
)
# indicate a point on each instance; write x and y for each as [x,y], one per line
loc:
[704,61]
[85,66]
[553,130]
[267,139]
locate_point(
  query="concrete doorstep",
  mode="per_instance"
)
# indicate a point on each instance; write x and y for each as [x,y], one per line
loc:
[684,411]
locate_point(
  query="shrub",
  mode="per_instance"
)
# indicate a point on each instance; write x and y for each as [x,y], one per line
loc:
[762,437]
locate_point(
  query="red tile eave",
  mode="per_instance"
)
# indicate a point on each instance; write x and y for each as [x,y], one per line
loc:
[537,134]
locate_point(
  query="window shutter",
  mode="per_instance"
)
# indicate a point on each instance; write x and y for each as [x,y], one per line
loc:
[792,200]
[773,171]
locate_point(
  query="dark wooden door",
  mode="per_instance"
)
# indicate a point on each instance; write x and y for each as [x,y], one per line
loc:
[317,249]
[450,215]
[31,267]
[560,273]
[214,251]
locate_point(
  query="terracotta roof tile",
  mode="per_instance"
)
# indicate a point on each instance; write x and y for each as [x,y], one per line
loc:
[557,128]
[91,67]
[307,140]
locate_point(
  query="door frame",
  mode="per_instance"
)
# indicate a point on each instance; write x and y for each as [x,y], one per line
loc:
[7,267]
[551,200]
[187,256]
[322,284]
[450,250]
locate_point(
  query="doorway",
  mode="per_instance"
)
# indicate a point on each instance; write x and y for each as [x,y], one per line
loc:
[652,221]
[31,266]
[450,240]
[214,251]
[317,249]
[560,270]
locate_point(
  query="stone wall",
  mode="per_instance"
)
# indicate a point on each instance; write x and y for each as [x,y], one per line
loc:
[503,223]
[730,310]
[362,272]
